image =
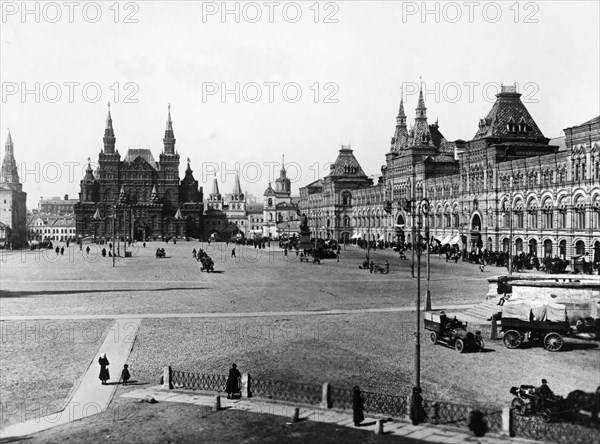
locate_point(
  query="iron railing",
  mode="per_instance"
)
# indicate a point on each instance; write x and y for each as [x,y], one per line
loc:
[389,405]
[287,391]
[440,412]
[556,432]
[198,381]
[341,398]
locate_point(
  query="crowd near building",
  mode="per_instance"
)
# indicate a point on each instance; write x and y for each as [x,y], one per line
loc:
[509,188]
[13,201]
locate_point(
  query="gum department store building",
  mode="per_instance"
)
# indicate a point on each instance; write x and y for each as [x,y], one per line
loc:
[509,181]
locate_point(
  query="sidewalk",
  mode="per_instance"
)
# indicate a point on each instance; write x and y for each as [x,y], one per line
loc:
[90,397]
[398,427]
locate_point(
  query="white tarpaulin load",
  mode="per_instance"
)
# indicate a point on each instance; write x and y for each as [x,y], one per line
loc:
[516,310]
[538,308]
[556,312]
[535,311]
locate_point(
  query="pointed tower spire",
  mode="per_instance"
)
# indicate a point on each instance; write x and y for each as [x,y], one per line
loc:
[169,139]
[9,172]
[89,174]
[9,142]
[422,134]
[109,135]
[237,189]
[215,188]
[282,171]
[401,134]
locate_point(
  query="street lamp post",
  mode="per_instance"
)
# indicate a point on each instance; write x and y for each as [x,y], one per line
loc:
[417,247]
[508,213]
[113,233]
[423,210]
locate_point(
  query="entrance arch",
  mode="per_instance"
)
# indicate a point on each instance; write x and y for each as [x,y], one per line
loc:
[519,246]
[533,246]
[547,248]
[580,247]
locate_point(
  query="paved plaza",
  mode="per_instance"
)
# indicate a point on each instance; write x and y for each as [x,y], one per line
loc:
[276,317]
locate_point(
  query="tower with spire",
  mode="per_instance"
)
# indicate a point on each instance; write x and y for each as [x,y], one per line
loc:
[215,200]
[13,200]
[278,208]
[282,183]
[421,136]
[400,138]
[109,135]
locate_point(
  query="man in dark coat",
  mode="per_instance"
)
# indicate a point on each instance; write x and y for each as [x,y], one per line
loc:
[233,381]
[357,406]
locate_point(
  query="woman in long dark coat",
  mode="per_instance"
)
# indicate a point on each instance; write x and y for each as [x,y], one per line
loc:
[104,375]
[417,411]
[357,406]
[233,381]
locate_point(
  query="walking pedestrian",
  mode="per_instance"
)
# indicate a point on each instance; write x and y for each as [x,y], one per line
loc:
[87,249]
[417,412]
[104,374]
[125,375]
[233,381]
[233,253]
[57,250]
[357,406]
[62,250]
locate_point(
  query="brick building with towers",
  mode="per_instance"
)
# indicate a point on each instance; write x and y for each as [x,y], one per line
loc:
[13,201]
[137,197]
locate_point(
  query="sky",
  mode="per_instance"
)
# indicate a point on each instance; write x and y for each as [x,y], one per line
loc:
[250,82]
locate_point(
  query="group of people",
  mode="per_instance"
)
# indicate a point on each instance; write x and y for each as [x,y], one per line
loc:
[105,374]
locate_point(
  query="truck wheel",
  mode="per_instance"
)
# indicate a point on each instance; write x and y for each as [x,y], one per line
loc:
[480,344]
[518,405]
[553,342]
[459,345]
[433,337]
[512,339]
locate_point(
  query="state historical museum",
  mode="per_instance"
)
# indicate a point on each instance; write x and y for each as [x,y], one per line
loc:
[138,197]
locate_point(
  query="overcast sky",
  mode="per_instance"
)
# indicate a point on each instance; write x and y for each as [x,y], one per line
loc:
[310,76]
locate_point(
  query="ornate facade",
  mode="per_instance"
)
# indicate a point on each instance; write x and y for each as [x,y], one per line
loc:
[138,197]
[13,200]
[508,188]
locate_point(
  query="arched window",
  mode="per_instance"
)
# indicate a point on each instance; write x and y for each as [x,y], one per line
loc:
[270,202]
[580,213]
[346,198]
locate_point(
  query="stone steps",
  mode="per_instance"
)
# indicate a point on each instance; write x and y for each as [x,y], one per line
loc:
[483,312]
